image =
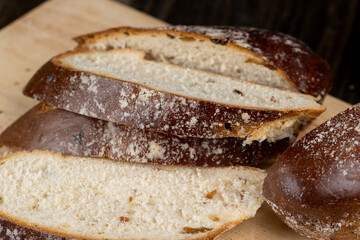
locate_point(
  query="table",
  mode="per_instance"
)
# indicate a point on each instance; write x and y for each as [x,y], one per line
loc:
[33,39]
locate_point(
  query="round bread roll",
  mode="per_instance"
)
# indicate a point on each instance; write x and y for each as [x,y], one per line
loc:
[314,187]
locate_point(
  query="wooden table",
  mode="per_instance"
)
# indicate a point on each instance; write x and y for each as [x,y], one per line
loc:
[30,41]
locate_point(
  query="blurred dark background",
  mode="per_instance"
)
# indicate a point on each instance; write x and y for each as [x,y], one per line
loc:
[330,27]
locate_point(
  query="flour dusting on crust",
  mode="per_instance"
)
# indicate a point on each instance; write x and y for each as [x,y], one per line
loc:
[315,186]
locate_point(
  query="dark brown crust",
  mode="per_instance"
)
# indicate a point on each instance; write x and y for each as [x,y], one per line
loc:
[56,130]
[295,60]
[11,231]
[164,112]
[314,186]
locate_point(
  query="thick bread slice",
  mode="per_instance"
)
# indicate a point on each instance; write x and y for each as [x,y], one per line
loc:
[57,130]
[121,86]
[256,55]
[69,196]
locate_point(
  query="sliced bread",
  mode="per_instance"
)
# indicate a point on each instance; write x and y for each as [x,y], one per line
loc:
[57,130]
[257,55]
[121,86]
[92,198]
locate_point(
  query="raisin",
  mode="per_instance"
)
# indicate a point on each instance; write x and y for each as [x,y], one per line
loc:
[196,230]
[228,126]
[187,39]
[124,219]
[211,195]
[269,66]
[238,92]
[219,41]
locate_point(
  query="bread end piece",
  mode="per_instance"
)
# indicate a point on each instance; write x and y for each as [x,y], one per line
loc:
[314,186]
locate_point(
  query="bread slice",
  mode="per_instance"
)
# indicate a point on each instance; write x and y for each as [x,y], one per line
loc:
[57,130]
[92,198]
[121,86]
[257,55]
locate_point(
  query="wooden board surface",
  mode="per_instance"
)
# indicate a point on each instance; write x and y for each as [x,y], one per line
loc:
[46,31]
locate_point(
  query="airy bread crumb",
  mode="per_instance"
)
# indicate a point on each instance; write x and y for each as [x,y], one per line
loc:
[90,197]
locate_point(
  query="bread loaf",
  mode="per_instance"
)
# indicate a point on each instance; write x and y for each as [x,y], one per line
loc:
[314,186]
[179,96]
[121,86]
[88,198]
[257,55]
[56,130]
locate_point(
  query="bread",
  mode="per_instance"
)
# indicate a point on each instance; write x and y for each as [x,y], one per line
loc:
[56,130]
[257,55]
[92,198]
[121,86]
[314,187]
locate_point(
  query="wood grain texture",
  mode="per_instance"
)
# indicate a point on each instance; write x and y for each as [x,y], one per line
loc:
[46,31]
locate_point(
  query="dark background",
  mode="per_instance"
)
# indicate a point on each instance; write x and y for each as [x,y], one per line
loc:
[330,27]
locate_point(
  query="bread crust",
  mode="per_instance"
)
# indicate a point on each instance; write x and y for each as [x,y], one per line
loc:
[13,228]
[56,130]
[158,111]
[290,57]
[314,186]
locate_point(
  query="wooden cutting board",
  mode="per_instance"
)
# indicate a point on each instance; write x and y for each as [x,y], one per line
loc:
[30,41]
